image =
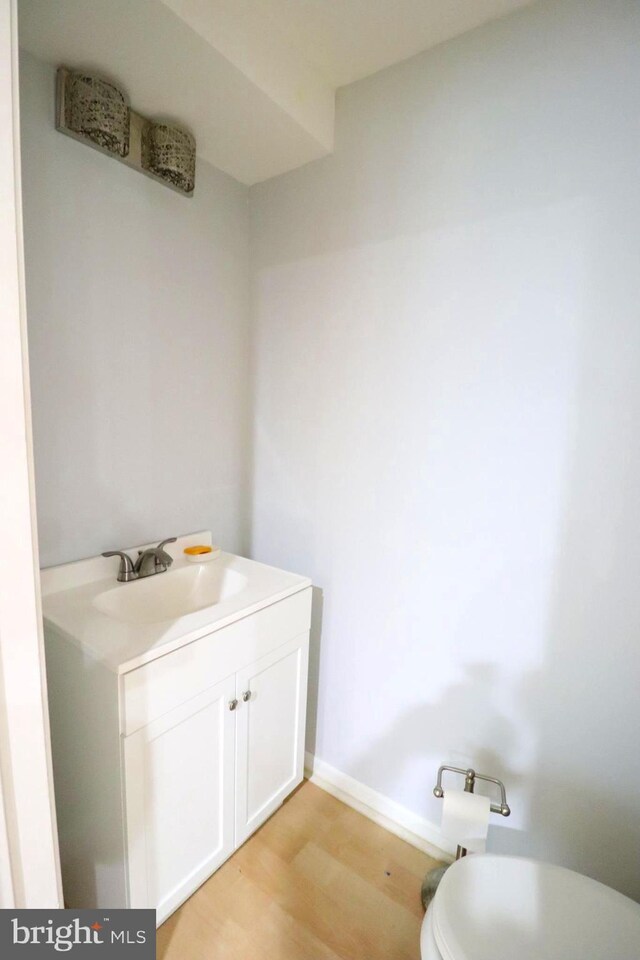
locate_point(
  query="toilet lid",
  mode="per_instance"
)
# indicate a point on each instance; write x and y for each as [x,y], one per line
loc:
[501,908]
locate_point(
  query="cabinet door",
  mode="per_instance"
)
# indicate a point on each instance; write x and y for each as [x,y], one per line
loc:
[272,695]
[179,783]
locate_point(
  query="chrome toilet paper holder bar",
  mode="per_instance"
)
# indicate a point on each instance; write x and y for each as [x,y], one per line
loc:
[433,878]
[470,777]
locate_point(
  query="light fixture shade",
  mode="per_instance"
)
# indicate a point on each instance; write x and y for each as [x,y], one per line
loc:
[97,110]
[170,153]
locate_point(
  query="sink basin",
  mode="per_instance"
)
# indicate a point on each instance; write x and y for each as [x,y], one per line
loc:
[125,625]
[168,596]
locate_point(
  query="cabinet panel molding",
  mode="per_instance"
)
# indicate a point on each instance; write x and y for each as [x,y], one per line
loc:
[270,733]
[179,786]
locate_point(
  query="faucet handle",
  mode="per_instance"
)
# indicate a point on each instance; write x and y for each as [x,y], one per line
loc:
[161,553]
[125,571]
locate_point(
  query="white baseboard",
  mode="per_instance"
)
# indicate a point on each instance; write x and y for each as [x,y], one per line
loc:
[395,818]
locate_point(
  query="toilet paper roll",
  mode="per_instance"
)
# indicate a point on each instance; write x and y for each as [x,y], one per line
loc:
[465,819]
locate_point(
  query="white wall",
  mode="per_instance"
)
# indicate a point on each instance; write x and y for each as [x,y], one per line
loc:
[447,413]
[138,336]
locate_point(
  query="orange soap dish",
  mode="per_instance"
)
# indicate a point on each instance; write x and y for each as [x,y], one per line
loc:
[201,553]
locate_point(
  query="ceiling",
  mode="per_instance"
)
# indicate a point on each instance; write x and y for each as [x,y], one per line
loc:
[254,80]
[347,40]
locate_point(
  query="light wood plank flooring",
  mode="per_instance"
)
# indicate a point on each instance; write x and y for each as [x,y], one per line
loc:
[317,882]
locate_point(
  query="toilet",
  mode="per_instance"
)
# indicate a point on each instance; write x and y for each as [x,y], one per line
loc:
[490,907]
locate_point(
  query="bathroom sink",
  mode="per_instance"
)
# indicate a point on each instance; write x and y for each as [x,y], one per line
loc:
[168,596]
[125,625]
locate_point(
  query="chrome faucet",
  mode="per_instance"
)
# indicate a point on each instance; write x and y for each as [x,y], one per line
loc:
[151,561]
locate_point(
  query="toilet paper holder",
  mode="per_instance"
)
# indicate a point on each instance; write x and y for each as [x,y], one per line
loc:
[470,777]
[433,878]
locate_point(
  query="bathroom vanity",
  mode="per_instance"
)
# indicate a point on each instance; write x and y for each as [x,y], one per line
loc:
[174,738]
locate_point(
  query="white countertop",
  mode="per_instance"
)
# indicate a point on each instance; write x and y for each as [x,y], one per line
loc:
[69,593]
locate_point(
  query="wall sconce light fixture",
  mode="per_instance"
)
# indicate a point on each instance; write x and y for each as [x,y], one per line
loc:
[96,112]
[96,109]
[169,153]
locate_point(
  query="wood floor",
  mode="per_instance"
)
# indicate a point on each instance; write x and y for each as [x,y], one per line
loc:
[317,882]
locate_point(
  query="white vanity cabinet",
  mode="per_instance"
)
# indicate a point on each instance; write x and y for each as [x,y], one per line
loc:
[163,770]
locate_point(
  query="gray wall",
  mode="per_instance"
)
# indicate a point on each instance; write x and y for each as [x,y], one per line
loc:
[447,416]
[138,340]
